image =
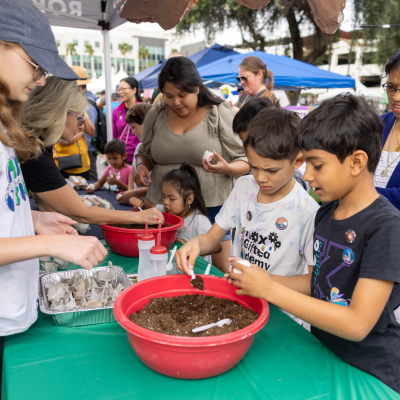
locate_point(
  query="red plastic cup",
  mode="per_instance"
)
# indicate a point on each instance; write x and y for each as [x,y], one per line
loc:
[187,357]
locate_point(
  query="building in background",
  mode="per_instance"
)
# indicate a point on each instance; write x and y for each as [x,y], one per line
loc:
[132,48]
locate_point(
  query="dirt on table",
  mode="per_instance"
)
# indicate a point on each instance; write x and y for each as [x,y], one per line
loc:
[178,315]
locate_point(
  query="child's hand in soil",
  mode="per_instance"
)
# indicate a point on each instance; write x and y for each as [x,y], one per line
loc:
[112,180]
[189,251]
[135,203]
[253,281]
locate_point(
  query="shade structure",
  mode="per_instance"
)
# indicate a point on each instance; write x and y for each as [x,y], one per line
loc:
[202,57]
[288,73]
[145,73]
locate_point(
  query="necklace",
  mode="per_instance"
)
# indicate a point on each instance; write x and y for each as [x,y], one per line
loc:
[385,172]
[397,137]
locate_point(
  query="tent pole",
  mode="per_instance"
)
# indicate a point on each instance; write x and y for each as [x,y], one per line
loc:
[107,71]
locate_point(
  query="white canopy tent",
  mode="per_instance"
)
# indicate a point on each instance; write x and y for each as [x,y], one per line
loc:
[360,90]
[99,84]
[101,15]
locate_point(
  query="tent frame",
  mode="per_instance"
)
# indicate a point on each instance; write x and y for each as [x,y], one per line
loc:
[104,23]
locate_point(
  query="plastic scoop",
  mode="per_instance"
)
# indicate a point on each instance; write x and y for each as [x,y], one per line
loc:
[140,209]
[207,269]
[220,324]
[169,265]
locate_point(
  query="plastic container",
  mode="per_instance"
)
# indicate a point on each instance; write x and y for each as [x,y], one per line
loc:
[125,241]
[158,258]
[145,243]
[187,357]
[243,262]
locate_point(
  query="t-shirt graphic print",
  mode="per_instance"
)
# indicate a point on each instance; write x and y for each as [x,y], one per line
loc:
[16,189]
[276,236]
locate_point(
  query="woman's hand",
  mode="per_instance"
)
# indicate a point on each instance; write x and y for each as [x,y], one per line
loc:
[186,256]
[142,176]
[152,216]
[135,203]
[253,281]
[112,180]
[221,167]
[86,251]
[49,223]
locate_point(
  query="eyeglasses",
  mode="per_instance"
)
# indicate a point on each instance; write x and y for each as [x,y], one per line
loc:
[123,89]
[38,72]
[81,119]
[391,90]
[244,77]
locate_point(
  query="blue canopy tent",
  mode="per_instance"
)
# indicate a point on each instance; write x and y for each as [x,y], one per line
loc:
[288,74]
[200,58]
[142,75]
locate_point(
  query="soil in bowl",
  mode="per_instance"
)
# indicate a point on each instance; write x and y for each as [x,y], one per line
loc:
[178,315]
[198,282]
[139,226]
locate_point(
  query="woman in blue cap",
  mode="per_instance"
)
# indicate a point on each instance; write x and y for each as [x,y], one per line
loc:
[27,54]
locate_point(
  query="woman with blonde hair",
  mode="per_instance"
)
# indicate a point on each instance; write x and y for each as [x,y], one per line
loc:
[27,52]
[63,121]
[256,79]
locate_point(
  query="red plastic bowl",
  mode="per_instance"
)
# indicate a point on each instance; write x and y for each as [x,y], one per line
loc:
[186,357]
[124,241]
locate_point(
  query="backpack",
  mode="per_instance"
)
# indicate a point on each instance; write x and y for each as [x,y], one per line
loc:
[100,139]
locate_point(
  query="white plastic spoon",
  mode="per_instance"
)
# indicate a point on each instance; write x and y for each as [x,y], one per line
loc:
[220,324]
[207,269]
[169,265]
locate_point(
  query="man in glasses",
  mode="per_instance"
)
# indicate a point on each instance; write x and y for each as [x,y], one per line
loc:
[90,125]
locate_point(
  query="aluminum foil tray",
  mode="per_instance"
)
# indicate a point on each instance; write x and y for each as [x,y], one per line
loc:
[81,316]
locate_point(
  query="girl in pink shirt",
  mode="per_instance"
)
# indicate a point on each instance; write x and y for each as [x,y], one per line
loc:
[117,173]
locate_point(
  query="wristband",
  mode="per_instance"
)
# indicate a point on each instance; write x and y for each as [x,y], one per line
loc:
[141,164]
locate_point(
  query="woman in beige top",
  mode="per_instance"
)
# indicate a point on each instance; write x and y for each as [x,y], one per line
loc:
[191,121]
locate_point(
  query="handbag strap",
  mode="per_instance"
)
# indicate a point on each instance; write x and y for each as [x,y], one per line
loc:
[127,135]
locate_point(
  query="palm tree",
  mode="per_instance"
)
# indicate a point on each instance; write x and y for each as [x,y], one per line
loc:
[125,48]
[144,54]
[89,50]
[70,49]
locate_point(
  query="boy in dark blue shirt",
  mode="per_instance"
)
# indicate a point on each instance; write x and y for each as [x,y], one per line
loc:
[350,296]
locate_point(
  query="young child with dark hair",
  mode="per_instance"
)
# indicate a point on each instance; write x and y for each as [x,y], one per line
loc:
[246,114]
[117,173]
[135,118]
[182,196]
[273,215]
[352,293]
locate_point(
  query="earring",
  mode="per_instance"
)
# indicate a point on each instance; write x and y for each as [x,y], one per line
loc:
[189,205]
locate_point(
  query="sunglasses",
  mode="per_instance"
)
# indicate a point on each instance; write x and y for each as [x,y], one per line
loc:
[391,90]
[244,77]
[38,72]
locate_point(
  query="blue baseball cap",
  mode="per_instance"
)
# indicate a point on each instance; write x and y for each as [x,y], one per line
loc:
[21,22]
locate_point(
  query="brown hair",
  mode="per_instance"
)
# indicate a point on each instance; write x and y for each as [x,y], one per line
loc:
[279,141]
[137,113]
[254,64]
[15,136]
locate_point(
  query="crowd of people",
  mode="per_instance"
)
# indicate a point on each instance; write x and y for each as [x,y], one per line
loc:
[333,266]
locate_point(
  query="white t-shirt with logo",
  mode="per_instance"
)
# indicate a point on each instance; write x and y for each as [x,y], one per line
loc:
[194,225]
[18,281]
[277,236]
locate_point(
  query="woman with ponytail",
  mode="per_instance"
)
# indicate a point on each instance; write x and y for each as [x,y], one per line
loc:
[256,79]
[190,122]
[181,194]
[129,93]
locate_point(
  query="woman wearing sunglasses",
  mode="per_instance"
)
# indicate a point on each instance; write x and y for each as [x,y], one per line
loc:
[256,80]
[27,51]
[62,122]
[387,174]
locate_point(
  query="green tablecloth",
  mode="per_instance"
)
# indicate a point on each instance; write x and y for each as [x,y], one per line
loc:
[97,363]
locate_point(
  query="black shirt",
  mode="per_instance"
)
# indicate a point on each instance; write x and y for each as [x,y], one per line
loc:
[43,175]
[375,254]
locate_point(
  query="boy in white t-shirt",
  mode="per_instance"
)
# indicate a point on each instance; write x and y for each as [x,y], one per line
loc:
[272,213]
